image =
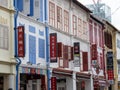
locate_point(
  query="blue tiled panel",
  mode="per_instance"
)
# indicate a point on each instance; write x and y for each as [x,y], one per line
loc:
[31,29]
[32,49]
[41,33]
[41,10]
[41,47]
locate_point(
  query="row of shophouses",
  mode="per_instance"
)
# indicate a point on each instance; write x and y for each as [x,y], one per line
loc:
[56,45]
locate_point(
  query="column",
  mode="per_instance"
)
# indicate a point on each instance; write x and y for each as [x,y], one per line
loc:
[9,82]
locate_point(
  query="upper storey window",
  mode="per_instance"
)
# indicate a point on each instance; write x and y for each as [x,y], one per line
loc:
[74,25]
[59,18]
[52,14]
[66,21]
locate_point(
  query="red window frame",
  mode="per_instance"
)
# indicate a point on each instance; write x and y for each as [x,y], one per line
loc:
[91,31]
[85,61]
[59,17]
[4,37]
[66,21]
[74,25]
[95,33]
[79,27]
[52,14]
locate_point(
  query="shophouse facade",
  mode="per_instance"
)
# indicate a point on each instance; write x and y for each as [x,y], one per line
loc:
[118,56]
[69,45]
[7,60]
[96,32]
[110,54]
[32,72]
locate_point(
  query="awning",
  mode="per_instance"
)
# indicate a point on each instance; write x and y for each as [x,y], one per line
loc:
[61,71]
[83,75]
[101,83]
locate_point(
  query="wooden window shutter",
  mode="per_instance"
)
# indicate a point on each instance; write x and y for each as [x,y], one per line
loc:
[60,49]
[85,61]
[71,53]
[65,56]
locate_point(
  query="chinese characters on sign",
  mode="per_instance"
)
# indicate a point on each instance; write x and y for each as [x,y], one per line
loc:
[110,69]
[53,83]
[94,54]
[76,54]
[53,47]
[21,51]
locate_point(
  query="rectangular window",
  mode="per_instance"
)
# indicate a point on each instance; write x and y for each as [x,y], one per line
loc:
[37,9]
[24,6]
[4,37]
[119,67]
[91,31]
[74,25]
[79,27]
[85,30]
[66,21]
[118,43]
[52,14]
[4,3]
[59,18]
[95,33]
[100,37]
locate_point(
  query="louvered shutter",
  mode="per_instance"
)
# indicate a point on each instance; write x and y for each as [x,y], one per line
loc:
[31,8]
[65,56]
[85,61]
[20,5]
[71,53]
[60,49]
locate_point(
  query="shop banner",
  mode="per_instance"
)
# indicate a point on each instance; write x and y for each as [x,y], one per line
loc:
[21,48]
[53,47]
[77,54]
[53,83]
[110,69]
[94,54]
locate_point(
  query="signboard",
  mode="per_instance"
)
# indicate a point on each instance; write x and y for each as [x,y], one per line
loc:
[21,47]
[110,69]
[76,54]
[53,83]
[53,47]
[94,54]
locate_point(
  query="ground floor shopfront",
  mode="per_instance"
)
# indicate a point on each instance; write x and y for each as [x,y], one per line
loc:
[7,75]
[32,78]
[70,80]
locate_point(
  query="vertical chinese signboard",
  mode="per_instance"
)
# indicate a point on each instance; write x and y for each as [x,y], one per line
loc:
[53,47]
[94,54]
[21,48]
[110,69]
[76,54]
[53,83]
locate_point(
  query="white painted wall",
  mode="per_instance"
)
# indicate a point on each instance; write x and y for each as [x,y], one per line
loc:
[26,21]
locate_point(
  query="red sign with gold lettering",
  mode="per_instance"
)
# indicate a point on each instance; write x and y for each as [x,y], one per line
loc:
[53,47]
[53,83]
[21,48]
[94,52]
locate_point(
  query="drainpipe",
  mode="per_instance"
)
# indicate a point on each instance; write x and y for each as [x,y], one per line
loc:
[47,43]
[15,41]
